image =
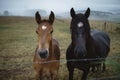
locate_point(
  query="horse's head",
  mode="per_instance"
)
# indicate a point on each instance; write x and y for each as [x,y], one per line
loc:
[80,31]
[44,32]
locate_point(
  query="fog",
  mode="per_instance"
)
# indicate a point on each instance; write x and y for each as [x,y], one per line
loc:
[19,7]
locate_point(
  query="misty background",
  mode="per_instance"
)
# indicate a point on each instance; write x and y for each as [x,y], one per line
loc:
[100,9]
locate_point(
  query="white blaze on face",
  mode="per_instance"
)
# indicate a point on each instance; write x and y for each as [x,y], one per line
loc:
[80,24]
[44,27]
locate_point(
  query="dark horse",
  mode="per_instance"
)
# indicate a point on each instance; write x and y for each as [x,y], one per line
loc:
[47,54]
[87,47]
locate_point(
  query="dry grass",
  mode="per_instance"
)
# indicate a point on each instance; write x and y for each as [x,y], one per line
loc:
[18,41]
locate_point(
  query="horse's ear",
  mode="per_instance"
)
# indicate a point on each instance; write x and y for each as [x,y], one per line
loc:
[38,17]
[87,13]
[51,17]
[72,13]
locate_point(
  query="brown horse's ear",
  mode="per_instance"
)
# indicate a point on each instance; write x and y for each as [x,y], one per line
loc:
[87,13]
[51,17]
[72,13]
[38,17]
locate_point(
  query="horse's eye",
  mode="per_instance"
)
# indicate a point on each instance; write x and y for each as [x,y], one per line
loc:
[51,31]
[37,32]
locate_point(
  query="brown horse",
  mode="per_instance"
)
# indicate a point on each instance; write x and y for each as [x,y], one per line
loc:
[47,54]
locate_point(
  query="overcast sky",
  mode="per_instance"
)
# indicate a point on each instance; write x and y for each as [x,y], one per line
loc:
[59,6]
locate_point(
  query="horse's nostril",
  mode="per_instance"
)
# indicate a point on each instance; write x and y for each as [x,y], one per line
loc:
[43,53]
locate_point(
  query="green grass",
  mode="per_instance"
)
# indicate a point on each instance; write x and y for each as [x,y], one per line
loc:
[18,42]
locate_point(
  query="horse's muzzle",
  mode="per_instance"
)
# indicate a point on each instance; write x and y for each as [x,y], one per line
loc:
[80,52]
[43,53]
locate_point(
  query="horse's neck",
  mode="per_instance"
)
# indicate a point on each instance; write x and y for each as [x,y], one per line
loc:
[91,47]
[54,50]
[51,48]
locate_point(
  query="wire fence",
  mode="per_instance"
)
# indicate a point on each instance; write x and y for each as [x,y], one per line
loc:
[64,61]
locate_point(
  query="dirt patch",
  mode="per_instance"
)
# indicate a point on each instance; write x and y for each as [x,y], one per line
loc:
[17,74]
[8,73]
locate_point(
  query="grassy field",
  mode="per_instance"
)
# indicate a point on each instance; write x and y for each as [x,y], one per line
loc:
[18,41]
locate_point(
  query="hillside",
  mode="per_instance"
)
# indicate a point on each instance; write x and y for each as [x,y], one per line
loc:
[113,16]
[96,15]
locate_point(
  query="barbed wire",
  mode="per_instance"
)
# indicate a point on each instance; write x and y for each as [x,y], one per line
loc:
[17,64]
[61,61]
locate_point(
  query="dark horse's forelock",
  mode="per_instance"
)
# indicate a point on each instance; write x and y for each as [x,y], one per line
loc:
[85,44]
